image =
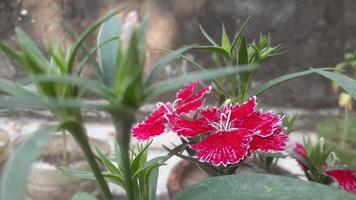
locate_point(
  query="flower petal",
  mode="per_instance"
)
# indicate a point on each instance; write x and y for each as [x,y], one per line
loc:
[245,109]
[273,143]
[346,178]
[188,101]
[187,128]
[189,106]
[263,123]
[301,152]
[187,90]
[212,114]
[146,131]
[224,147]
[152,126]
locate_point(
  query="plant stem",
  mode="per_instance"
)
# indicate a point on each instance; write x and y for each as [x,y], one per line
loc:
[345,131]
[123,123]
[65,149]
[79,133]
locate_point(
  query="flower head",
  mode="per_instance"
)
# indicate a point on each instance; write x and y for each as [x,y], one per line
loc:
[301,152]
[231,133]
[226,135]
[187,101]
[345,178]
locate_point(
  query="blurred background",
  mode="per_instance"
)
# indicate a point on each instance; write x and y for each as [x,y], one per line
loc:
[313,33]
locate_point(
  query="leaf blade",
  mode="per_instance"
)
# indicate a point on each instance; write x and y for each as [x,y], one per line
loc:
[284,78]
[260,187]
[345,82]
[175,83]
[163,62]
[108,54]
[17,169]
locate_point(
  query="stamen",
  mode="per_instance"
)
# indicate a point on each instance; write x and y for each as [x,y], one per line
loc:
[159,104]
[174,103]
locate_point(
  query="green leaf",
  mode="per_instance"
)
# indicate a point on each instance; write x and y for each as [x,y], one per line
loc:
[260,187]
[93,86]
[16,90]
[243,54]
[157,68]
[141,36]
[89,55]
[53,103]
[177,82]
[107,163]
[83,196]
[140,158]
[225,42]
[207,36]
[152,184]
[33,54]
[346,83]
[108,54]
[11,53]
[17,168]
[238,34]
[77,173]
[113,178]
[78,43]
[218,50]
[284,78]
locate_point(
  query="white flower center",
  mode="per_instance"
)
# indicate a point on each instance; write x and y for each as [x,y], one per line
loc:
[224,124]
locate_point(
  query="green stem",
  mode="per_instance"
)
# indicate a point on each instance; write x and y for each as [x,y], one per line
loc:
[123,123]
[345,131]
[79,134]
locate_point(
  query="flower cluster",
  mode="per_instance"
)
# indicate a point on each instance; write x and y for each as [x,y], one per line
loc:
[227,134]
[345,178]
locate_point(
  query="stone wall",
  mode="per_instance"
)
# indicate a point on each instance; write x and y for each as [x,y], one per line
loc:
[314,33]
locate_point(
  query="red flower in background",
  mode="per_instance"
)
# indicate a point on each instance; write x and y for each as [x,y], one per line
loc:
[187,101]
[345,178]
[233,132]
[300,150]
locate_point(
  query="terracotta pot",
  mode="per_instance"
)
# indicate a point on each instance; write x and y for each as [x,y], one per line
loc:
[186,174]
[4,147]
[46,182]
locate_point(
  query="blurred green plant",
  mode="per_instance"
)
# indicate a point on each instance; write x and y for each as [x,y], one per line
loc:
[144,171]
[60,63]
[339,132]
[238,52]
[60,88]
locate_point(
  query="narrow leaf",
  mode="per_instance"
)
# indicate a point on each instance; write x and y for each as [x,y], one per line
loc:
[243,54]
[174,83]
[239,33]
[17,168]
[92,86]
[207,36]
[225,42]
[108,54]
[78,43]
[157,68]
[218,50]
[346,83]
[284,78]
